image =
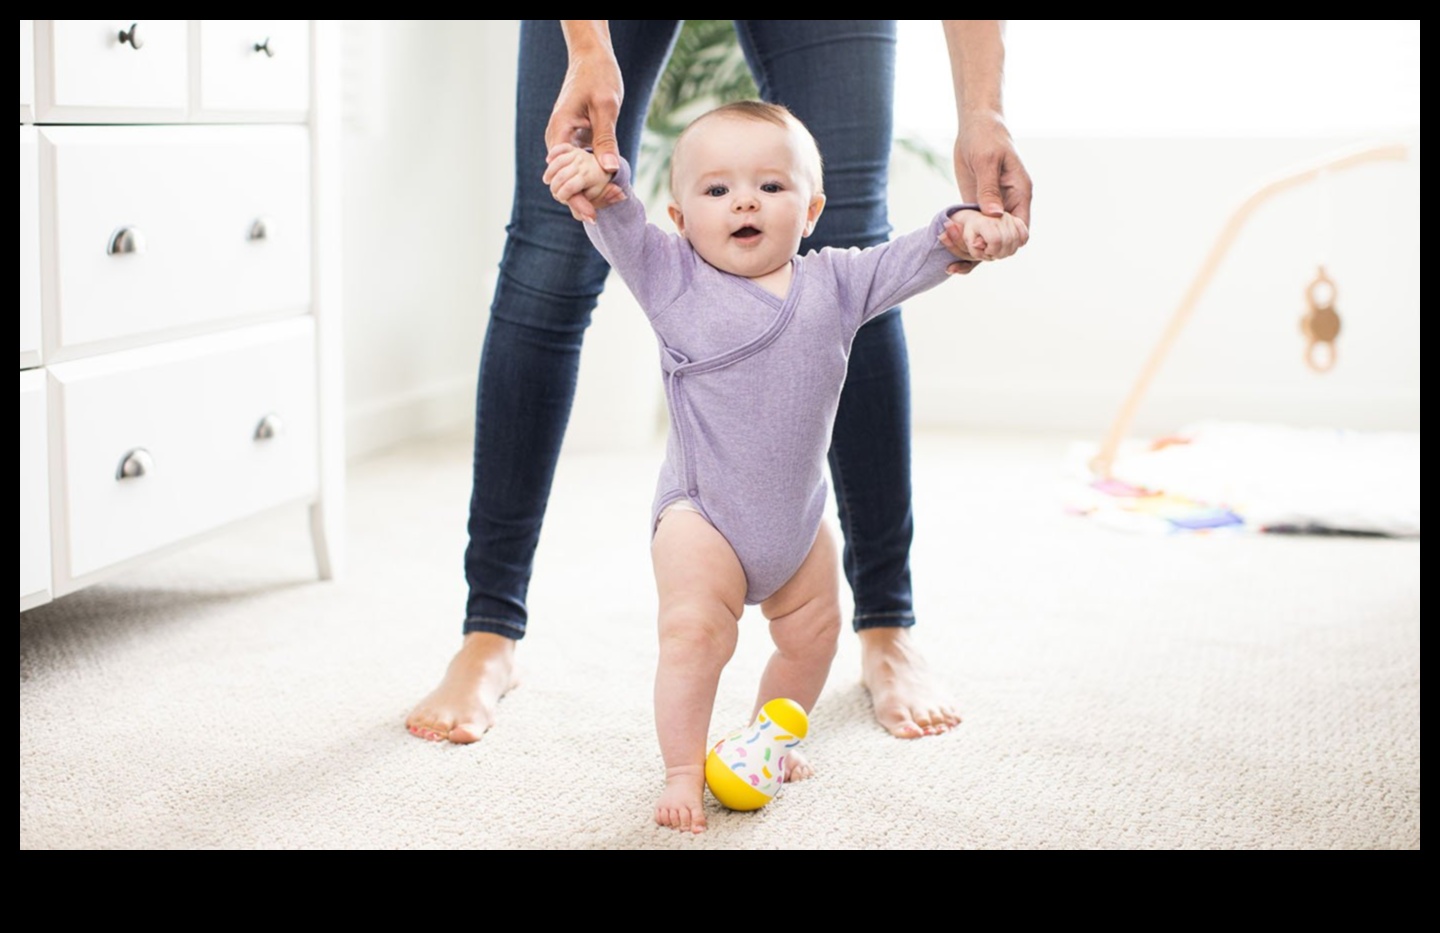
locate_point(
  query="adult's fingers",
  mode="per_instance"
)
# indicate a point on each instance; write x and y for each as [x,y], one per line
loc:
[1018,192]
[988,193]
[604,111]
[565,127]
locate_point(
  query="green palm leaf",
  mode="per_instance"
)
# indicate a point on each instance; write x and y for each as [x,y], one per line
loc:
[708,69]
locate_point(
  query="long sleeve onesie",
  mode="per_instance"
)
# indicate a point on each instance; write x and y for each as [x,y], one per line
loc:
[753,380]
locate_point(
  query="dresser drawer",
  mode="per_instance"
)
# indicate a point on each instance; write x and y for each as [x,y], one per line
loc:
[87,71]
[173,228]
[254,66]
[162,443]
[34,492]
[29,252]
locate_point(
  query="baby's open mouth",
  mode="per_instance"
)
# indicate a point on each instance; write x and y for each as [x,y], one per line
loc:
[746,233]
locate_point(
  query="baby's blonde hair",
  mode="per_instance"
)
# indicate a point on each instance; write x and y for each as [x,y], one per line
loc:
[761,112]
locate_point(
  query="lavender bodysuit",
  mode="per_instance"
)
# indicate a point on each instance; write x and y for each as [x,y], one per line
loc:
[753,380]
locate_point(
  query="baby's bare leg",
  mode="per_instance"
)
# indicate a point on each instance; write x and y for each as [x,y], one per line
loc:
[804,619]
[701,588]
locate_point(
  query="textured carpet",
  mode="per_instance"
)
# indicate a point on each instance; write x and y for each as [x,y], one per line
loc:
[1119,691]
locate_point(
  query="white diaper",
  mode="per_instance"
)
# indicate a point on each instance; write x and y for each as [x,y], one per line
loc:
[679,505]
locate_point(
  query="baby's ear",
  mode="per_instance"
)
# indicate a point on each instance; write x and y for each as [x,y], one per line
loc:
[677,218]
[812,214]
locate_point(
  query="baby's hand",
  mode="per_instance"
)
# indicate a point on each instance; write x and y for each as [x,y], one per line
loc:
[577,180]
[974,237]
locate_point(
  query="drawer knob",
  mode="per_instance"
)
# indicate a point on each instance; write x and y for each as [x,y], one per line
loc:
[260,229]
[133,37]
[269,427]
[265,47]
[135,464]
[125,240]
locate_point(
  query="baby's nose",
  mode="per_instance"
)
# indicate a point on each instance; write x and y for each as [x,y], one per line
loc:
[745,202]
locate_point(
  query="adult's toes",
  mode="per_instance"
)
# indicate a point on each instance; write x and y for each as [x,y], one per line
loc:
[466,732]
[902,725]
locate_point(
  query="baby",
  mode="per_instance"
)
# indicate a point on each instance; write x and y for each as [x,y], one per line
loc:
[754,340]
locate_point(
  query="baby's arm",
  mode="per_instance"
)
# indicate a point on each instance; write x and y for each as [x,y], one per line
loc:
[655,265]
[973,237]
[570,170]
[869,281]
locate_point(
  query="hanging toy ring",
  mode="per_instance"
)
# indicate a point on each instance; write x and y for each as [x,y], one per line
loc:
[1321,323]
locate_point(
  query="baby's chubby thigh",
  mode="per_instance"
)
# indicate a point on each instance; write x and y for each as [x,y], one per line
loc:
[698,577]
[804,619]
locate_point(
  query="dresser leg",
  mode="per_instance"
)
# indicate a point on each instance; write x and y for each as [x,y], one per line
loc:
[328,541]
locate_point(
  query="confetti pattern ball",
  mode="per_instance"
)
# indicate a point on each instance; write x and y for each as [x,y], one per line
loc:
[746,769]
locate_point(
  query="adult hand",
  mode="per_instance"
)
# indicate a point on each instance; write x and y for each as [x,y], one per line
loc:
[987,168]
[586,110]
[989,172]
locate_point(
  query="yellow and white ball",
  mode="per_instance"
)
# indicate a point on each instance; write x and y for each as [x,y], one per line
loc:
[746,769]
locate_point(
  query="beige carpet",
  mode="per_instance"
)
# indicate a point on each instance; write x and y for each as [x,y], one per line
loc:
[1119,691]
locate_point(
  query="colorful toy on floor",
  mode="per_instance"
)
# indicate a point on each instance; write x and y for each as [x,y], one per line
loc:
[746,769]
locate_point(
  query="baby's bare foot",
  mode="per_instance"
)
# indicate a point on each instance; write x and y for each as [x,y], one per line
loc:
[907,700]
[682,803]
[462,708]
[797,766]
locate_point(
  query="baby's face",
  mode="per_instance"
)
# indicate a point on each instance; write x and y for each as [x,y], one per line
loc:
[744,194]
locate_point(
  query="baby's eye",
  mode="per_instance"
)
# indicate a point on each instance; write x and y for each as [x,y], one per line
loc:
[771,187]
[716,191]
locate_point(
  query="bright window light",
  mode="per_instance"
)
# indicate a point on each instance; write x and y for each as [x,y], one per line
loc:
[1180,78]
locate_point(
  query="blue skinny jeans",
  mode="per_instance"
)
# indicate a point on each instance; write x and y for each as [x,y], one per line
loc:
[837,76]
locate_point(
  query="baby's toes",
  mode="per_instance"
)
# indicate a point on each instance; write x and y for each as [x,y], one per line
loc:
[797,767]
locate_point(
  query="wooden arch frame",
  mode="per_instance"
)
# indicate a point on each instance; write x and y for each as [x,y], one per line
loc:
[1102,463]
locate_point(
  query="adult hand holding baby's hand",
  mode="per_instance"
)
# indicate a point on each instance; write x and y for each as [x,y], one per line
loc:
[588,106]
[577,180]
[977,238]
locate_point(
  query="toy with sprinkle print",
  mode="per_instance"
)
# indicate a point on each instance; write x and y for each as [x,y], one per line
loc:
[746,769]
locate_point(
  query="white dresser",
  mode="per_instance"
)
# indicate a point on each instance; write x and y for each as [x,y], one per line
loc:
[180,364]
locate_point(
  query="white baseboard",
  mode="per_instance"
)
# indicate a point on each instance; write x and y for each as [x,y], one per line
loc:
[1086,410]
[597,423]
[1071,410]
[436,408]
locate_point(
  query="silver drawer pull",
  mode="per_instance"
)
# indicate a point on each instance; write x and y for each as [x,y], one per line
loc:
[269,427]
[135,464]
[125,240]
[265,47]
[133,37]
[260,229]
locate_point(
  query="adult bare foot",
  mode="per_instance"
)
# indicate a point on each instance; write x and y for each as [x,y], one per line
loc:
[682,803]
[907,700]
[462,708]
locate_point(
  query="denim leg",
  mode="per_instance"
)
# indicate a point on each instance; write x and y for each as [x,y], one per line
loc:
[550,278]
[838,77]
[870,466]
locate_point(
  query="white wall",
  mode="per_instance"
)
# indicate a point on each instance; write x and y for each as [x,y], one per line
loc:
[1143,136]
[429,158]
[427,155]
[1053,338]
[1050,340]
